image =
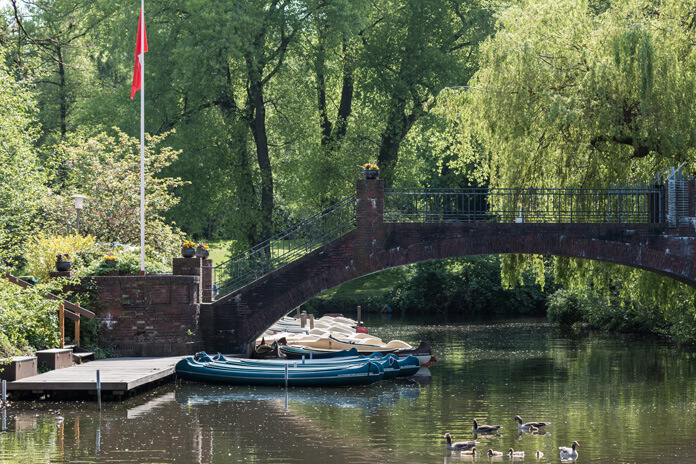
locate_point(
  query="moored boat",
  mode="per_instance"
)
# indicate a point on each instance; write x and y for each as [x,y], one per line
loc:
[203,368]
[390,363]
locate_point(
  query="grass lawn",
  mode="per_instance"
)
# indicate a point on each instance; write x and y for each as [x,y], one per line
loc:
[219,250]
[367,286]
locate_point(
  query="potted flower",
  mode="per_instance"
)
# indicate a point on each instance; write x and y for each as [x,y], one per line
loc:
[63,263]
[110,260]
[188,249]
[202,251]
[370,170]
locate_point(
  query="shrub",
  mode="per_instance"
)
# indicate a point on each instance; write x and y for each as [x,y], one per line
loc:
[128,263]
[564,308]
[28,322]
[43,248]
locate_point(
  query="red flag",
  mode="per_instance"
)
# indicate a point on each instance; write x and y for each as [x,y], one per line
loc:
[138,52]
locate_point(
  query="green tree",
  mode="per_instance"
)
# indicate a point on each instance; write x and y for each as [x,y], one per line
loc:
[574,95]
[21,188]
[107,170]
[567,97]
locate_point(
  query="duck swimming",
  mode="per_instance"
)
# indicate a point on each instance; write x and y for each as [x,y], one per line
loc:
[569,453]
[494,453]
[460,445]
[515,454]
[485,428]
[529,425]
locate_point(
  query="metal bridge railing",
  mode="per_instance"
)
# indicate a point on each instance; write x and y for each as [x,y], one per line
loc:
[541,205]
[285,247]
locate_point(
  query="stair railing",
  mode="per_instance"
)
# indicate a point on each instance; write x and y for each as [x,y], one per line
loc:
[285,247]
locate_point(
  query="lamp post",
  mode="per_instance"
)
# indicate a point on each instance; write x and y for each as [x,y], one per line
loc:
[79,204]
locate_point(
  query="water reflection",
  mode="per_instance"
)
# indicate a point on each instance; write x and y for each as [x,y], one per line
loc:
[625,399]
[371,397]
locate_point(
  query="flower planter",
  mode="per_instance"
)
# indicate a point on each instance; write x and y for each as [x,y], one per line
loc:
[63,266]
[202,253]
[188,252]
[371,173]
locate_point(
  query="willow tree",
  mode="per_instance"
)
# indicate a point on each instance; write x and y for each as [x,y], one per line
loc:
[567,96]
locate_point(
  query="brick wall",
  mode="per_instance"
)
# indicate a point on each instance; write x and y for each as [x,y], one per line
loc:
[154,315]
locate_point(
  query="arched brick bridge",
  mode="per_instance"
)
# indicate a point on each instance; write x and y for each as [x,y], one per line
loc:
[232,322]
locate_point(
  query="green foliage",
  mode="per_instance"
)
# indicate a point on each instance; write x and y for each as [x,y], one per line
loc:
[469,286]
[585,94]
[106,169]
[28,322]
[22,186]
[128,264]
[565,308]
[43,248]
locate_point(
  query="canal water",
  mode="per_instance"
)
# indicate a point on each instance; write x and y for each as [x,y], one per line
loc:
[625,399]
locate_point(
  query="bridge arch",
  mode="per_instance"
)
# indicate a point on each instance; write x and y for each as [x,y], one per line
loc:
[375,245]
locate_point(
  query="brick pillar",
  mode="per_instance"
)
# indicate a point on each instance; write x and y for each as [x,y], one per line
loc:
[369,219]
[55,274]
[189,267]
[207,280]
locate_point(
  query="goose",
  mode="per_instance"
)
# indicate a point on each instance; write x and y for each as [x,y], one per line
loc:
[471,452]
[515,454]
[460,445]
[485,428]
[529,425]
[569,453]
[539,455]
[492,453]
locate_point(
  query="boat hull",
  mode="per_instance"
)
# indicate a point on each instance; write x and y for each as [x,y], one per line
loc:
[360,374]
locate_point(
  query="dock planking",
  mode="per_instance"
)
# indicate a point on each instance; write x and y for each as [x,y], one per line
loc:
[118,376]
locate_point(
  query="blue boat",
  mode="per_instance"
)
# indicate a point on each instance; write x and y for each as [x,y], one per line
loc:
[204,369]
[297,352]
[391,364]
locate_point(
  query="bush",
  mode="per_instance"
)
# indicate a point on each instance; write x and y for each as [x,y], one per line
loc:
[128,263]
[28,322]
[564,308]
[43,248]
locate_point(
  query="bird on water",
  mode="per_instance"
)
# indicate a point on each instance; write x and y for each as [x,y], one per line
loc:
[485,428]
[569,453]
[460,445]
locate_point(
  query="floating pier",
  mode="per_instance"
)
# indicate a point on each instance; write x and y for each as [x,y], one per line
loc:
[119,377]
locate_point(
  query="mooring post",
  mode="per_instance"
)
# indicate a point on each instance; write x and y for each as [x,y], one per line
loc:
[98,390]
[286,375]
[359,314]
[4,393]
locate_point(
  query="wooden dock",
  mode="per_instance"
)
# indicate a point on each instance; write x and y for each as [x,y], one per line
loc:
[118,377]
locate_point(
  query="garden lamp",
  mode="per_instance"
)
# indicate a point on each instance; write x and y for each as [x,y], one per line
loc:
[79,204]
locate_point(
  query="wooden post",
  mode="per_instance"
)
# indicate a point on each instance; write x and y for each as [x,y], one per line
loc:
[298,313]
[77,332]
[359,314]
[311,321]
[61,324]
[303,319]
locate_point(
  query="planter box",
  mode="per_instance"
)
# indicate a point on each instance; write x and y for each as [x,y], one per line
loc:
[55,358]
[19,368]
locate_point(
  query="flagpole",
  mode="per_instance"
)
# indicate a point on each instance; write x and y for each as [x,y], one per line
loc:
[142,138]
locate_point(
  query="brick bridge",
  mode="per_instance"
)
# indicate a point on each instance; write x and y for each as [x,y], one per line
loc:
[653,231]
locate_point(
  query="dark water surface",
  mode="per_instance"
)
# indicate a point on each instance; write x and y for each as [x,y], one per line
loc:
[624,399]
